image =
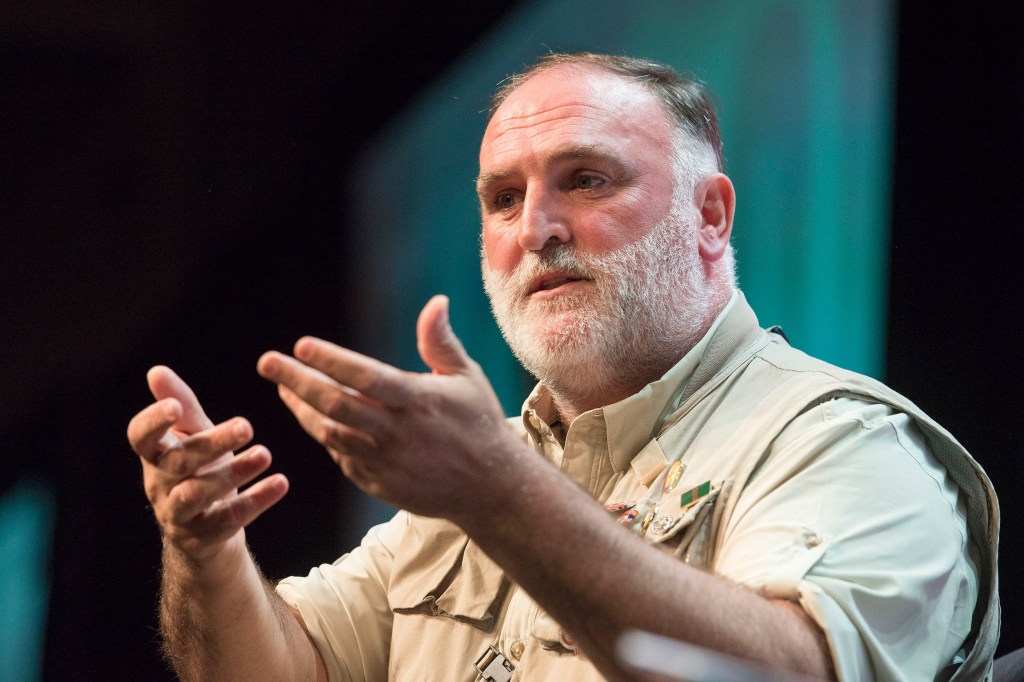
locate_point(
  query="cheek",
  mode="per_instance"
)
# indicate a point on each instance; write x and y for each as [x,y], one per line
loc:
[635,214]
[602,232]
[501,250]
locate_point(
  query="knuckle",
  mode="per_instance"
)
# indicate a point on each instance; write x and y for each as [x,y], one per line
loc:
[365,381]
[167,527]
[164,514]
[369,380]
[347,466]
[138,432]
[174,462]
[325,432]
[229,478]
[404,380]
[152,491]
[336,406]
[189,496]
[336,455]
[416,392]
[132,432]
[372,489]
[335,435]
[234,515]
[424,400]
[384,440]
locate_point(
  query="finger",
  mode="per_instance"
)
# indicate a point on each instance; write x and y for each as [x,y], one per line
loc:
[147,429]
[239,511]
[440,349]
[196,494]
[325,395]
[329,433]
[358,472]
[372,378]
[186,457]
[164,383]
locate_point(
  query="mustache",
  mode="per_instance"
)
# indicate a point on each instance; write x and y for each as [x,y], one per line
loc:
[558,257]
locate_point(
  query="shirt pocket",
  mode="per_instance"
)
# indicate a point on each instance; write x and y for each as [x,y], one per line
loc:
[689,528]
[551,655]
[439,572]
[684,521]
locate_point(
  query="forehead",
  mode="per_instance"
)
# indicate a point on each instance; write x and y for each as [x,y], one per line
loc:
[571,105]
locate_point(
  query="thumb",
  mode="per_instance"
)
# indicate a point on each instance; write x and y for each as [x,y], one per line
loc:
[437,343]
[164,383]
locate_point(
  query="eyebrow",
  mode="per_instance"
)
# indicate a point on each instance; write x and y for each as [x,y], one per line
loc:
[568,153]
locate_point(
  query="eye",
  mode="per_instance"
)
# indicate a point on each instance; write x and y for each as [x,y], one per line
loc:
[587,181]
[504,201]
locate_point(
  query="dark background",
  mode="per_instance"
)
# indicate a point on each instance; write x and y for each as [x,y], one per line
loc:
[172,190]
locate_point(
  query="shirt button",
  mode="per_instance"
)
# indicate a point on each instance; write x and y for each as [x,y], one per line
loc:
[811,539]
[517,650]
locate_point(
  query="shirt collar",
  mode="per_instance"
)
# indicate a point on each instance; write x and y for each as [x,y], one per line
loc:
[632,422]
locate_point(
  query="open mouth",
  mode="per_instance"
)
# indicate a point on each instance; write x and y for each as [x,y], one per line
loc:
[555,283]
[552,281]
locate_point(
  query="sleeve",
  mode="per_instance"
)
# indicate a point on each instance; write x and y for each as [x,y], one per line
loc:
[852,517]
[344,605]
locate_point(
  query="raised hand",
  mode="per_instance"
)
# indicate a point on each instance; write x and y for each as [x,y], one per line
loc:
[191,474]
[429,443]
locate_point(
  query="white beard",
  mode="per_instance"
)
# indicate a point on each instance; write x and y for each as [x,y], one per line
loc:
[646,305]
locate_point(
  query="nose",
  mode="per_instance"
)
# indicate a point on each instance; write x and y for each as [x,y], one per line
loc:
[544,219]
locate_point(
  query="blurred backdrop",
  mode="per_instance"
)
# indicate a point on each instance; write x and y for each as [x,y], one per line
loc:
[194,185]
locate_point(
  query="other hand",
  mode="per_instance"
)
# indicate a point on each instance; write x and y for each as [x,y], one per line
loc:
[433,443]
[191,474]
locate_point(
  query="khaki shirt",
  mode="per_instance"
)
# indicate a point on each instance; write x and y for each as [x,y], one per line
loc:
[805,483]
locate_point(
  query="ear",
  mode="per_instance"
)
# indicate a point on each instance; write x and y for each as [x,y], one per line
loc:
[715,200]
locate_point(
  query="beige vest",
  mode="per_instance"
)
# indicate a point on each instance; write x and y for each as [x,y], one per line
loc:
[449,597]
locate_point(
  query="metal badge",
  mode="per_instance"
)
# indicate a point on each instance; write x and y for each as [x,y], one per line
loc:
[647,519]
[691,496]
[662,524]
[675,472]
[493,666]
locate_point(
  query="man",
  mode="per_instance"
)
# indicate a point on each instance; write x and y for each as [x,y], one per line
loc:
[749,499]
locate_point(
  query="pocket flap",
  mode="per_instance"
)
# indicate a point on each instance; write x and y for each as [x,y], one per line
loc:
[550,636]
[439,572]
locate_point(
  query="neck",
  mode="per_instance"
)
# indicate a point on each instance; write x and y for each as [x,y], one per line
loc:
[572,401]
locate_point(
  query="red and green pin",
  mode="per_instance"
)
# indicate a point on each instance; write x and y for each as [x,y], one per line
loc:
[694,494]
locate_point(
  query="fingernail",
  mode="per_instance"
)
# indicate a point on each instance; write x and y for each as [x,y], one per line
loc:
[447,307]
[241,428]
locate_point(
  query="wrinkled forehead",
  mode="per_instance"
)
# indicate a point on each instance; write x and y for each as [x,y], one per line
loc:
[575,101]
